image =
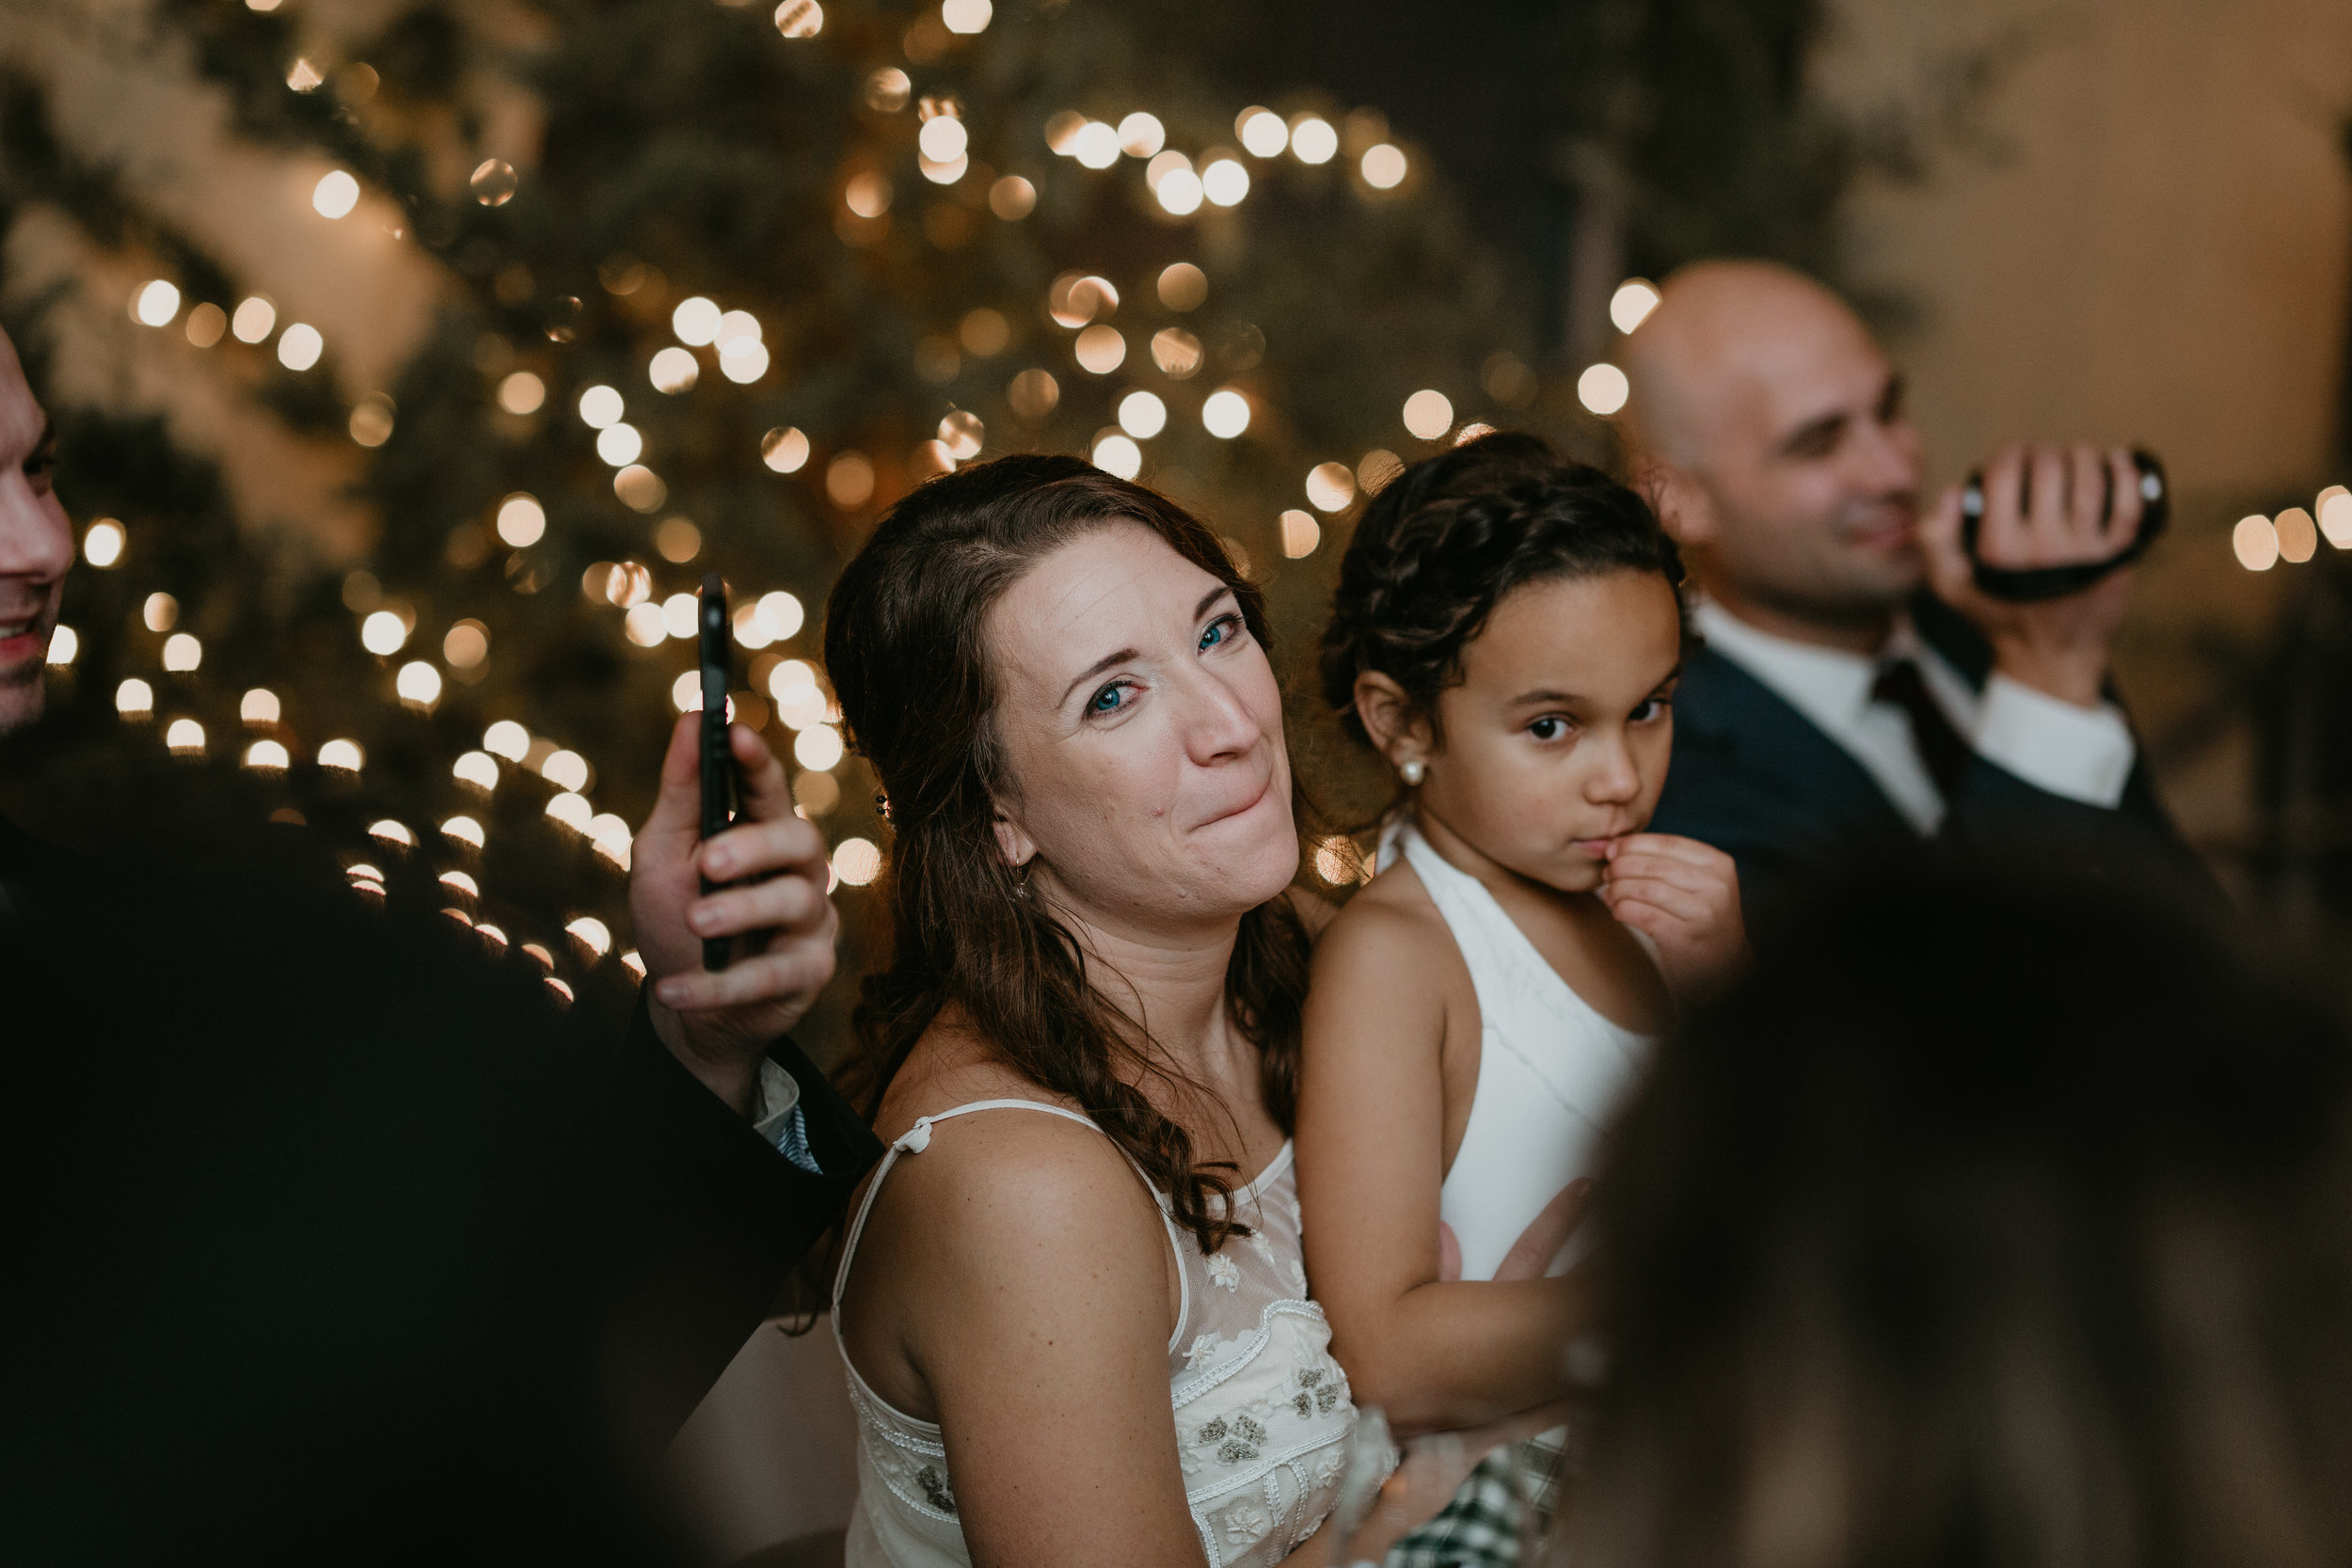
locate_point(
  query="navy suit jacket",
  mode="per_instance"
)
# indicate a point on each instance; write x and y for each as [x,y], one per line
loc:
[1755,777]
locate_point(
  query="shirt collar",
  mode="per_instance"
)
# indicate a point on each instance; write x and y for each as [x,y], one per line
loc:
[1829,686]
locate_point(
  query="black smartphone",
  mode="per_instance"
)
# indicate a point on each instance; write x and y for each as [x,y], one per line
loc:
[2030,584]
[718,757]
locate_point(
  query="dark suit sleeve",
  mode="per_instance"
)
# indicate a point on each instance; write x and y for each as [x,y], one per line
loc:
[705,1218]
[1996,813]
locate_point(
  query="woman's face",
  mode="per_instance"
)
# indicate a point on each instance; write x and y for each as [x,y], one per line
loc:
[1141,732]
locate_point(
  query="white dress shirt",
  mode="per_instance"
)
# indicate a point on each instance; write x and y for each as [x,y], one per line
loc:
[2081,754]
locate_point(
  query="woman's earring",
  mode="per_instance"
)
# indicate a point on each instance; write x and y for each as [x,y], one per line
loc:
[1021,880]
[1412,770]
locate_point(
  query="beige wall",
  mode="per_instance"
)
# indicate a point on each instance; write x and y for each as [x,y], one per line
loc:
[2160,251]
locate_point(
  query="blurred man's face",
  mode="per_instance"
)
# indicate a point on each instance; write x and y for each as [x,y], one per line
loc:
[1799,469]
[36,545]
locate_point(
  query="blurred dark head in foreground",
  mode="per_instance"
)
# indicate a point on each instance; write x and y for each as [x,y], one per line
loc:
[1996,1225]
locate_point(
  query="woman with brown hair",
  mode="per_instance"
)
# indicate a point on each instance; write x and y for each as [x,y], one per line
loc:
[1073,1302]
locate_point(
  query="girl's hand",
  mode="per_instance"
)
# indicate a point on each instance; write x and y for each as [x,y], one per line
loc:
[1684,895]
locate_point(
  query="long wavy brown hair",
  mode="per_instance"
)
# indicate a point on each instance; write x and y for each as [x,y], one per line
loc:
[906,649]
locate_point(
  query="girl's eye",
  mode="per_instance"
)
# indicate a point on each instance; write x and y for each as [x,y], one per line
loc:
[1219,632]
[1550,727]
[1111,698]
[1653,709]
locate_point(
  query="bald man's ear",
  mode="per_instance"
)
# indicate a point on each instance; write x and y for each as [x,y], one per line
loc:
[1681,502]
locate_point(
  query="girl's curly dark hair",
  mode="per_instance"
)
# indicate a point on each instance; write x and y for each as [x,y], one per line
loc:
[1437,550]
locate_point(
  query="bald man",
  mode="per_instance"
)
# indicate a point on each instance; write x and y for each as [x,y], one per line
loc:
[1854,686]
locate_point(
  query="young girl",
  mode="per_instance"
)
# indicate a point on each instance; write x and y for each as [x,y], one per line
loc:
[1507,633]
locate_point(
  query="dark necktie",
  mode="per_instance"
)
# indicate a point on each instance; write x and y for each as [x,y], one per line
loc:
[1941,746]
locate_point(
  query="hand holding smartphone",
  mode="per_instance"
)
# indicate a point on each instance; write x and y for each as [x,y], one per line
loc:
[717,758]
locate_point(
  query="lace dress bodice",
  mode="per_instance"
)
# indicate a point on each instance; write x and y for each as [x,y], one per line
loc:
[1263,1414]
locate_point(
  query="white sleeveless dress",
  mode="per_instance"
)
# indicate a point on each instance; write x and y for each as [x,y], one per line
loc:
[1263,1413]
[1551,1071]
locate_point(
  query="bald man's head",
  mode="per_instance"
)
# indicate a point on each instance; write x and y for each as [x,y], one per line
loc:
[36,545]
[1771,429]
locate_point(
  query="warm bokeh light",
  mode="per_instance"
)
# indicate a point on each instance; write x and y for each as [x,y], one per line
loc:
[1178,190]
[1301,533]
[984,332]
[1603,388]
[674,370]
[336,194]
[620,445]
[382,633]
[2256,543]
[1225,413]
[1428,414]
[571,810]
[255,318]
[967,17]
[781,615]
[1383,166]
[1097,144]
[686,692]
[156,303]
[676,540]
[2299,536]
[565,769]
[849,480]
[508,739]
[1182,286]
[185,737]
[1263,133]
[2334,507]
[592,934]
[259,706]
[784,450]
[299,346]
[64,643]
[387,831]
[1141,134]
[181,653]
[640,488]
[101,547]
[522,393]
[419,685]
[207,324]
[493,182]
[1012,198]
[1116,453]
[1176,352]
[942,138]
[1100,349]
[464,829]
[610,836]
[867,195]
[695,322]
[1630,306]
[370,422]
[466,645]
[800,19]
[159,612]
[681,616]
[1061,132]
[816,794]
[1330,486]
[1033,393]
[1312,140]
[856,862]
[818,747]
[601,406]
[643,626]
[521,520]
[458,881]
[267,756]
[1339,862]
[1375,468]
[478,768]
[962,432]
[1142,415]
[135,699]
[1225,181]
[743,360]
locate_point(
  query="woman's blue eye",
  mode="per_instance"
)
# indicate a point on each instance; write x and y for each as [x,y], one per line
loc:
[1107,700]
[1217,632]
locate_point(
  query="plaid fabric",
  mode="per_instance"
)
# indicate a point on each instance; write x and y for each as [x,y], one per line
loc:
[1479,1528]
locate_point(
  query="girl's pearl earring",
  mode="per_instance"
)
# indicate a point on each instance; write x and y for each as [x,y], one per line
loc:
[1412,770]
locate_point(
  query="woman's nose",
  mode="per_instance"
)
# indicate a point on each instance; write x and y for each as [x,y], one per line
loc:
[1221,723]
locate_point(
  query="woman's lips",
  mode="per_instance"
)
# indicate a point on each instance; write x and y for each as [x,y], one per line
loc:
[1264,790]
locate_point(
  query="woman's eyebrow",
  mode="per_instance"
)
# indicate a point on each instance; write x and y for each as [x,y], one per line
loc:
[1098,667]
[1220,592]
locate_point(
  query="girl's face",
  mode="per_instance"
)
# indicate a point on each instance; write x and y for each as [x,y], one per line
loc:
[1142,730]
[1555,742]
